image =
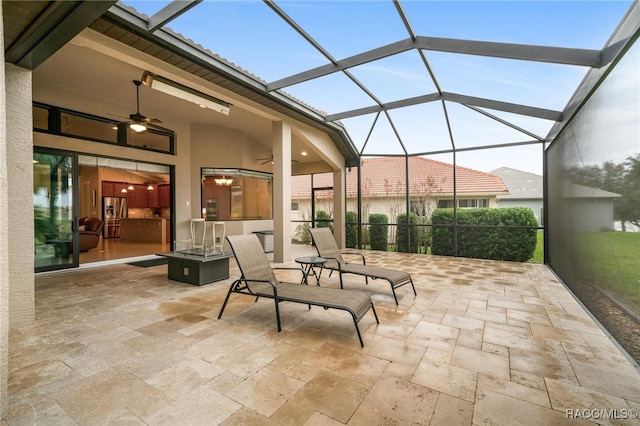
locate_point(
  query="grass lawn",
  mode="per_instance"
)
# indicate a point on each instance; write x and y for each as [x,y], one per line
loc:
[538,254]
[610,260]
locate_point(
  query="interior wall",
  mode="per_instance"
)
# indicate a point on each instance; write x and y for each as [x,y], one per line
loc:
[587,165]
[89,176]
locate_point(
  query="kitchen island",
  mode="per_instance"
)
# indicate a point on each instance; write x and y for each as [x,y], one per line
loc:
[145,230]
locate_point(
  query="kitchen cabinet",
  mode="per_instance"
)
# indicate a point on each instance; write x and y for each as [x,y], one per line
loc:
[109,189]
[138,198]
[154,199]
[145,230]
[164,196]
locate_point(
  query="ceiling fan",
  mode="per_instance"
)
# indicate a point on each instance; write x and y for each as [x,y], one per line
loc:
[139,122]
[266,160]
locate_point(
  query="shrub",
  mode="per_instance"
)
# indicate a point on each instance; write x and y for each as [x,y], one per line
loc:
[417,234]
[302,233]
[352,230]
[477,241]
[378,231]
[323,220]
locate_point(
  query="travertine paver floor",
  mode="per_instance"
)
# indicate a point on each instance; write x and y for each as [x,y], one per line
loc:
[484,342]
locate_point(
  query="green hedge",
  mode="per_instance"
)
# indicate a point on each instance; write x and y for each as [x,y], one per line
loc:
[352,230]
[379,231]
[416,233]
[324,220]
[485,243]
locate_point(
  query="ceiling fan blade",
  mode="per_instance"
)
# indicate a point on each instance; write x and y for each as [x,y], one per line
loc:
[118,118]
[266,160]
[155,126]
[138,117]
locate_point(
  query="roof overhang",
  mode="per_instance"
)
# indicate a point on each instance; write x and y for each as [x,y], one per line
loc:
[35,30]
[121,24]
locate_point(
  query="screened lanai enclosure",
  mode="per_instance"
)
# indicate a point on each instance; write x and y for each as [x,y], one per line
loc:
[506,130]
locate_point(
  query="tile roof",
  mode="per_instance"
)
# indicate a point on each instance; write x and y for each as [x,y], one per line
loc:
[385,176]
[521,185]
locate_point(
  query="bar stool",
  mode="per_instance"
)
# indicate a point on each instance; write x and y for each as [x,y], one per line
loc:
[218,232]
[194,225]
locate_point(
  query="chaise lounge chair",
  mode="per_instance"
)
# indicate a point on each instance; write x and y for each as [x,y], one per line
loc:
[327,248]
[258,280]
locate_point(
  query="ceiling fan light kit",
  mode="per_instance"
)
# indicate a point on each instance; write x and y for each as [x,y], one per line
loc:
[137,127]
[138,121]
[178,90]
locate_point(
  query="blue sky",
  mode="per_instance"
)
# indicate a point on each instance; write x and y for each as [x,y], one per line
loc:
[252,36]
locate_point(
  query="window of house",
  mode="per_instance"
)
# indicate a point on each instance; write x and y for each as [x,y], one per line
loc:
[236,194]
[464,203]
[61,121]
[294,206]
[417,207]
[40,118]
[88,127]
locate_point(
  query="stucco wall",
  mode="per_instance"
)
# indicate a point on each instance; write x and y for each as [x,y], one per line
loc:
[20,190]
[221,147]
[17,303]
[4,243]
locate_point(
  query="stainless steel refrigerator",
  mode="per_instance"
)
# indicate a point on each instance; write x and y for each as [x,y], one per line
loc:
[113,209]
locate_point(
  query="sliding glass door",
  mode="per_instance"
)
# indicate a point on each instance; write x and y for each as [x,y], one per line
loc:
[55,221]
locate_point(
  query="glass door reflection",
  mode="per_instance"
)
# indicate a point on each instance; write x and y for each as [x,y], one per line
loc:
[53,208]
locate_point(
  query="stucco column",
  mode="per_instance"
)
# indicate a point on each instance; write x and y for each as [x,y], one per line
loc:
[339,207]
[19,192]
[4,239]
[281,192]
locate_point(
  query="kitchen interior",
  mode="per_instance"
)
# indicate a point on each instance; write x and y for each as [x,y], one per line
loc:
[133,200]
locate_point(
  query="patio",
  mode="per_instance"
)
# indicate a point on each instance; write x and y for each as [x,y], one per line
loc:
[484,342]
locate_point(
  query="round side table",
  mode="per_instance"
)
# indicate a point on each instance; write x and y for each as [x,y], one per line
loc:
[309,264]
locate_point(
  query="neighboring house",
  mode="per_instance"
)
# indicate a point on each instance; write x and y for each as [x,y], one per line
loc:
[525,190]
[383,188]
[591,208]
[588,209]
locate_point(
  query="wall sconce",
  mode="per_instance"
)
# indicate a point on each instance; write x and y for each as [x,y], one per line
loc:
[183,92]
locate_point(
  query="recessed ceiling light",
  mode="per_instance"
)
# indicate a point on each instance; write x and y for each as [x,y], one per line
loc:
[303,153]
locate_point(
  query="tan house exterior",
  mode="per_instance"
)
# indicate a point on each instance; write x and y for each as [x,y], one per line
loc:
[431,185]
